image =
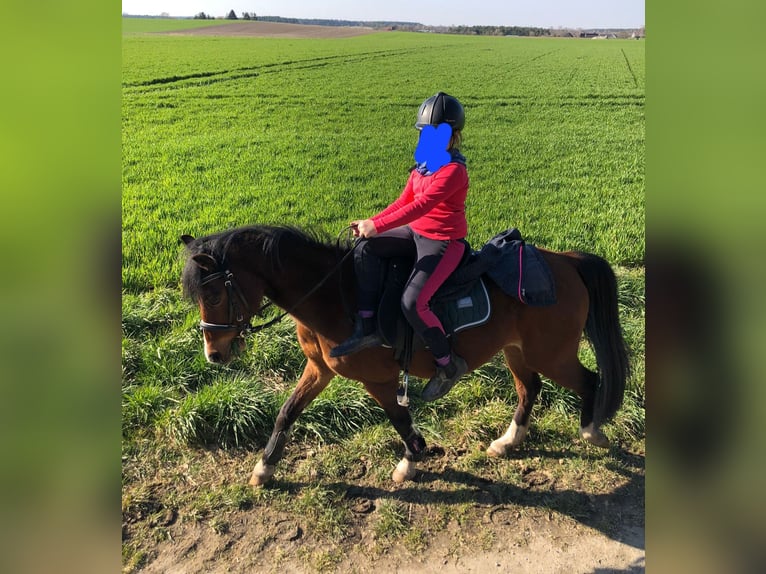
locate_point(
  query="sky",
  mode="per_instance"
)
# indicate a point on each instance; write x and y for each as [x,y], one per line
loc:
[536,13]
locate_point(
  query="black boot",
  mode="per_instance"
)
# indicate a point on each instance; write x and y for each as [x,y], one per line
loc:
[364,336]
[444,379]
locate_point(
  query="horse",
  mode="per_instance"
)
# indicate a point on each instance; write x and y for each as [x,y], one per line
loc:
[229,275]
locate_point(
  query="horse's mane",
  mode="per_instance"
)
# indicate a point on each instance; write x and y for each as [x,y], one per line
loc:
[267,238]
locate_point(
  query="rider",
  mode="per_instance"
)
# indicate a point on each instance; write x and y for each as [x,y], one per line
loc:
[426,222]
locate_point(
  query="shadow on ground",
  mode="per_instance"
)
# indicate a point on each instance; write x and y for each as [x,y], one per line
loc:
[607,513]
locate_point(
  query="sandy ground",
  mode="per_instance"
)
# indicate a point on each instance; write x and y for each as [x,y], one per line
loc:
[530,545]
[544,527]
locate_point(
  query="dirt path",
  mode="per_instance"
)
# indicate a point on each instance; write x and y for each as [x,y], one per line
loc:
[456,522]
[532,545]
[544,550]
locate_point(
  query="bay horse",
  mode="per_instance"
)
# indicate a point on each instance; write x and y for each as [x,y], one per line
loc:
[229,274]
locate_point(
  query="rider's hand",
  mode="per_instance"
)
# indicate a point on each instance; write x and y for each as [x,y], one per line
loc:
[363,228]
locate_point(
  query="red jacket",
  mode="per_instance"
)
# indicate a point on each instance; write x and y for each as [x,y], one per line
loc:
[433,205]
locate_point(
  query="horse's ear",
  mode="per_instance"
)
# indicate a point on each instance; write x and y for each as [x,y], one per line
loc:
[205,261]
[186,239]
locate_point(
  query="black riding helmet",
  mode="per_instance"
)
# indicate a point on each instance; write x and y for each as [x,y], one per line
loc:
[439,109]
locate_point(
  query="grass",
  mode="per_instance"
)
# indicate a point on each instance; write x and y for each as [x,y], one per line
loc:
[343,438]
[229,413]
[391,520]
[219,132]
[322,507]
[258,130]
[342,409]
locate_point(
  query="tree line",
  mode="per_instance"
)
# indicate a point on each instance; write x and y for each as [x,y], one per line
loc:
[499,30]
[417,27]
[232,15]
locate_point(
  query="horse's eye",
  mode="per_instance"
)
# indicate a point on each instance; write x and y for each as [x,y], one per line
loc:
[211,299]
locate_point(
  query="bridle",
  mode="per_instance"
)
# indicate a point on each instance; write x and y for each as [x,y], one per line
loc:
[237,320]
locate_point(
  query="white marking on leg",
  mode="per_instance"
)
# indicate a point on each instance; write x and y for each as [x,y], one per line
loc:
[513,437]
[594,436]
[262,473]
[405,470]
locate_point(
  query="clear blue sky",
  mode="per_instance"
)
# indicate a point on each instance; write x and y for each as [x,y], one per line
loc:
[538,13]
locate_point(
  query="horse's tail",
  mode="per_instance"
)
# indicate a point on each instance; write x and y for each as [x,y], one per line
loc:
[602,328]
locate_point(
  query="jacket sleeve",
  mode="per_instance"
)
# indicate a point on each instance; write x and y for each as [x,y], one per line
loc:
[403,199]
[444,183]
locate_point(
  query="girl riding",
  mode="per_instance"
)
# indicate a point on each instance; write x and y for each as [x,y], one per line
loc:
[426,222]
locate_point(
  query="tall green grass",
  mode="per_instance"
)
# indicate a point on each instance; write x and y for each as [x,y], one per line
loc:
[170,391]
[220,132]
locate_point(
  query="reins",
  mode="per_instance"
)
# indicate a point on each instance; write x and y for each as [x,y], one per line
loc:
[232,288]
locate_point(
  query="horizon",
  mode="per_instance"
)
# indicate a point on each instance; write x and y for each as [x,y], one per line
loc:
[546,14]
[404,22]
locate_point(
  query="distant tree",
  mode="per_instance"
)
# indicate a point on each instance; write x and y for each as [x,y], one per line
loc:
[231,15]
[200,16]
[248,16]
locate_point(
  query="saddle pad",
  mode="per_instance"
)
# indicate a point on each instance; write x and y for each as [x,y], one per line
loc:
[456,313]
[465,312]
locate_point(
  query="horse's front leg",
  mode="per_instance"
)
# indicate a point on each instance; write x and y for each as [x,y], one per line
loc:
[312,382]
[414,443]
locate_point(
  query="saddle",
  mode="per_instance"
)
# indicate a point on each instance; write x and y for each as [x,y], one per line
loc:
[462,302]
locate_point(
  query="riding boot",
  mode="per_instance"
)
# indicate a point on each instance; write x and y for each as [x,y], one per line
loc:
[365,335]
[445,378]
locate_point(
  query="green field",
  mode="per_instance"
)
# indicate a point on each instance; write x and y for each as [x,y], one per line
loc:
[220,132]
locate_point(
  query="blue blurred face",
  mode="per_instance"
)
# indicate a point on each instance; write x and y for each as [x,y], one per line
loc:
[432,146]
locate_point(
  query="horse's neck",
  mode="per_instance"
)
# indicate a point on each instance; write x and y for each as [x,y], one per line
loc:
[306,288]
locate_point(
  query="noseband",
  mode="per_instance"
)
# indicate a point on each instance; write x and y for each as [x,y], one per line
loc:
[237,321]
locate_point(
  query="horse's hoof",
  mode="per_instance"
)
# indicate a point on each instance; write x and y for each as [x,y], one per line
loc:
[496,450]
[262,473]
[594,436]
[405,470]
[513,437]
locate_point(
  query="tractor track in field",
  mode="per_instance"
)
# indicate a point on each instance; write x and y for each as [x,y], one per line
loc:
[630,69]
[206,78]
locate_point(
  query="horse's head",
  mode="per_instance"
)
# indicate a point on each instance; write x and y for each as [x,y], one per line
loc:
[224,295]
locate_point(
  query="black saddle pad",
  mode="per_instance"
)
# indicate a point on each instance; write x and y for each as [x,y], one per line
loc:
[458,307]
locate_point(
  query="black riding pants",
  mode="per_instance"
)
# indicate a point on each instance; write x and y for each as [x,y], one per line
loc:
[435,260]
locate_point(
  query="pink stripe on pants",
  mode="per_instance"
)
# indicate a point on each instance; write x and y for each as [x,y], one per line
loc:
[448,263]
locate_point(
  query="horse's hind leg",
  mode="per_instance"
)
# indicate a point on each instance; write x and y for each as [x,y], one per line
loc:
[528,386]
[584,382]
[312,382]
[414,443]
[588,429]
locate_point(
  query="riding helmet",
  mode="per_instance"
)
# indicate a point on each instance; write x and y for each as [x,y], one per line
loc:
[439,109]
